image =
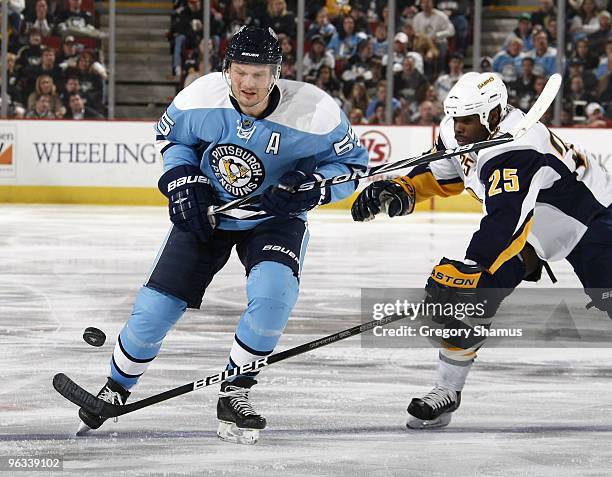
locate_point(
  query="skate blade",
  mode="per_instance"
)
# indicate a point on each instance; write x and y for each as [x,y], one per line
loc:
[440,421]
[83,429]
[228,431]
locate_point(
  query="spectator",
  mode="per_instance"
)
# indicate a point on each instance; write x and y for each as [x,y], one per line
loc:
[425,115]
[456,11]
[14,78]
[582,52]
[578,98]
[288,71]
[400,51]
[15,7]
[595,116]
[286,48]
[186,31]
[521,92]
[523,31]
[380,41]
[78,110]
[407,82]
[379,115]
[605,64]
[193,64]
[551,31]
[69,55]
[90,78]
[428,93]
[381,97]
[316,57]
[41,19]
[327,81]
[400,117]
[360,67]
[544,57]
[357,99]
[566,118]
[586,22]
[322,27]
[545,13]
[445,82]
[235,16]
[358,13]
[344,42]
[356,116]
[47,66]
[436,25]
[486,64]
[507,62]
[75,21]
[71,85]
[423,46]
[576,68]
[408,9]
[16,108]
[598,40]
[30,55]
[604,89]
[45,86]
[279,18]
[41,109]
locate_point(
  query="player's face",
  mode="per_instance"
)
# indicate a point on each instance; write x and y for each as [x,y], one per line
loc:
[250,84]
[468,129]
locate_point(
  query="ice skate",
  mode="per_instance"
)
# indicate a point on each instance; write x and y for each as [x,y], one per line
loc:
[112,392]
[238,421]
[433,410]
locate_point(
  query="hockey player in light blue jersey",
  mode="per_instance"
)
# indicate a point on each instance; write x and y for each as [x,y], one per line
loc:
[229,135]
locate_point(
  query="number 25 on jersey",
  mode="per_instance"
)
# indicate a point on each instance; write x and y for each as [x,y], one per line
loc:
[509,183]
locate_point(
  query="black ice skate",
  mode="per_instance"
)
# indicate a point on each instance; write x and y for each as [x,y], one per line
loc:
[434,409]
[112,392]
[238,421]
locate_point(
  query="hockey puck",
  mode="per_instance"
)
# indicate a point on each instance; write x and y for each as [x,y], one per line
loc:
[94,336]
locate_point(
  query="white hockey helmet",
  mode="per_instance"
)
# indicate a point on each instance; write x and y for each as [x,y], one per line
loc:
[477,93]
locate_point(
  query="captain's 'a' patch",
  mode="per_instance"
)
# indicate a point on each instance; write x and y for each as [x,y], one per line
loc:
[239,171]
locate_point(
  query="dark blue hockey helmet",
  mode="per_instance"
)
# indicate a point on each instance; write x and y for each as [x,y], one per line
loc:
[254,45]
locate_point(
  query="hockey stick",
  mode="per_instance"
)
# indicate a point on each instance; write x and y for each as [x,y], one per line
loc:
[529,120]
[82,398]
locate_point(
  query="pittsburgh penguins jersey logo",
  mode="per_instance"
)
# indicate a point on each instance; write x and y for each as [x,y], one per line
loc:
[239,171]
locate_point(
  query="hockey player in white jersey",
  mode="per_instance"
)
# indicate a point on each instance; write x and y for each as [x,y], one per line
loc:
[229,135]
[542,201]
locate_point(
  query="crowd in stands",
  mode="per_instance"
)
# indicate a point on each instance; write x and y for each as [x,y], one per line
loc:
[55,63]
[56,66]
[346,53]
[528,57]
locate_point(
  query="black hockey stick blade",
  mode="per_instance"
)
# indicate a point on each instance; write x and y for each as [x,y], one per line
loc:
[76,394]
[82,398]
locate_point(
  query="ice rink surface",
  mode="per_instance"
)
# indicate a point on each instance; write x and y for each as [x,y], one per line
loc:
[339,410]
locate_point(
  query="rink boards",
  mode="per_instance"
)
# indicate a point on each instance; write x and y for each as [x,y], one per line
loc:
[115,162]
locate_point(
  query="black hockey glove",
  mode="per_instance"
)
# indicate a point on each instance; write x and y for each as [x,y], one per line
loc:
[395,197]
[190,195]
[284,200]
